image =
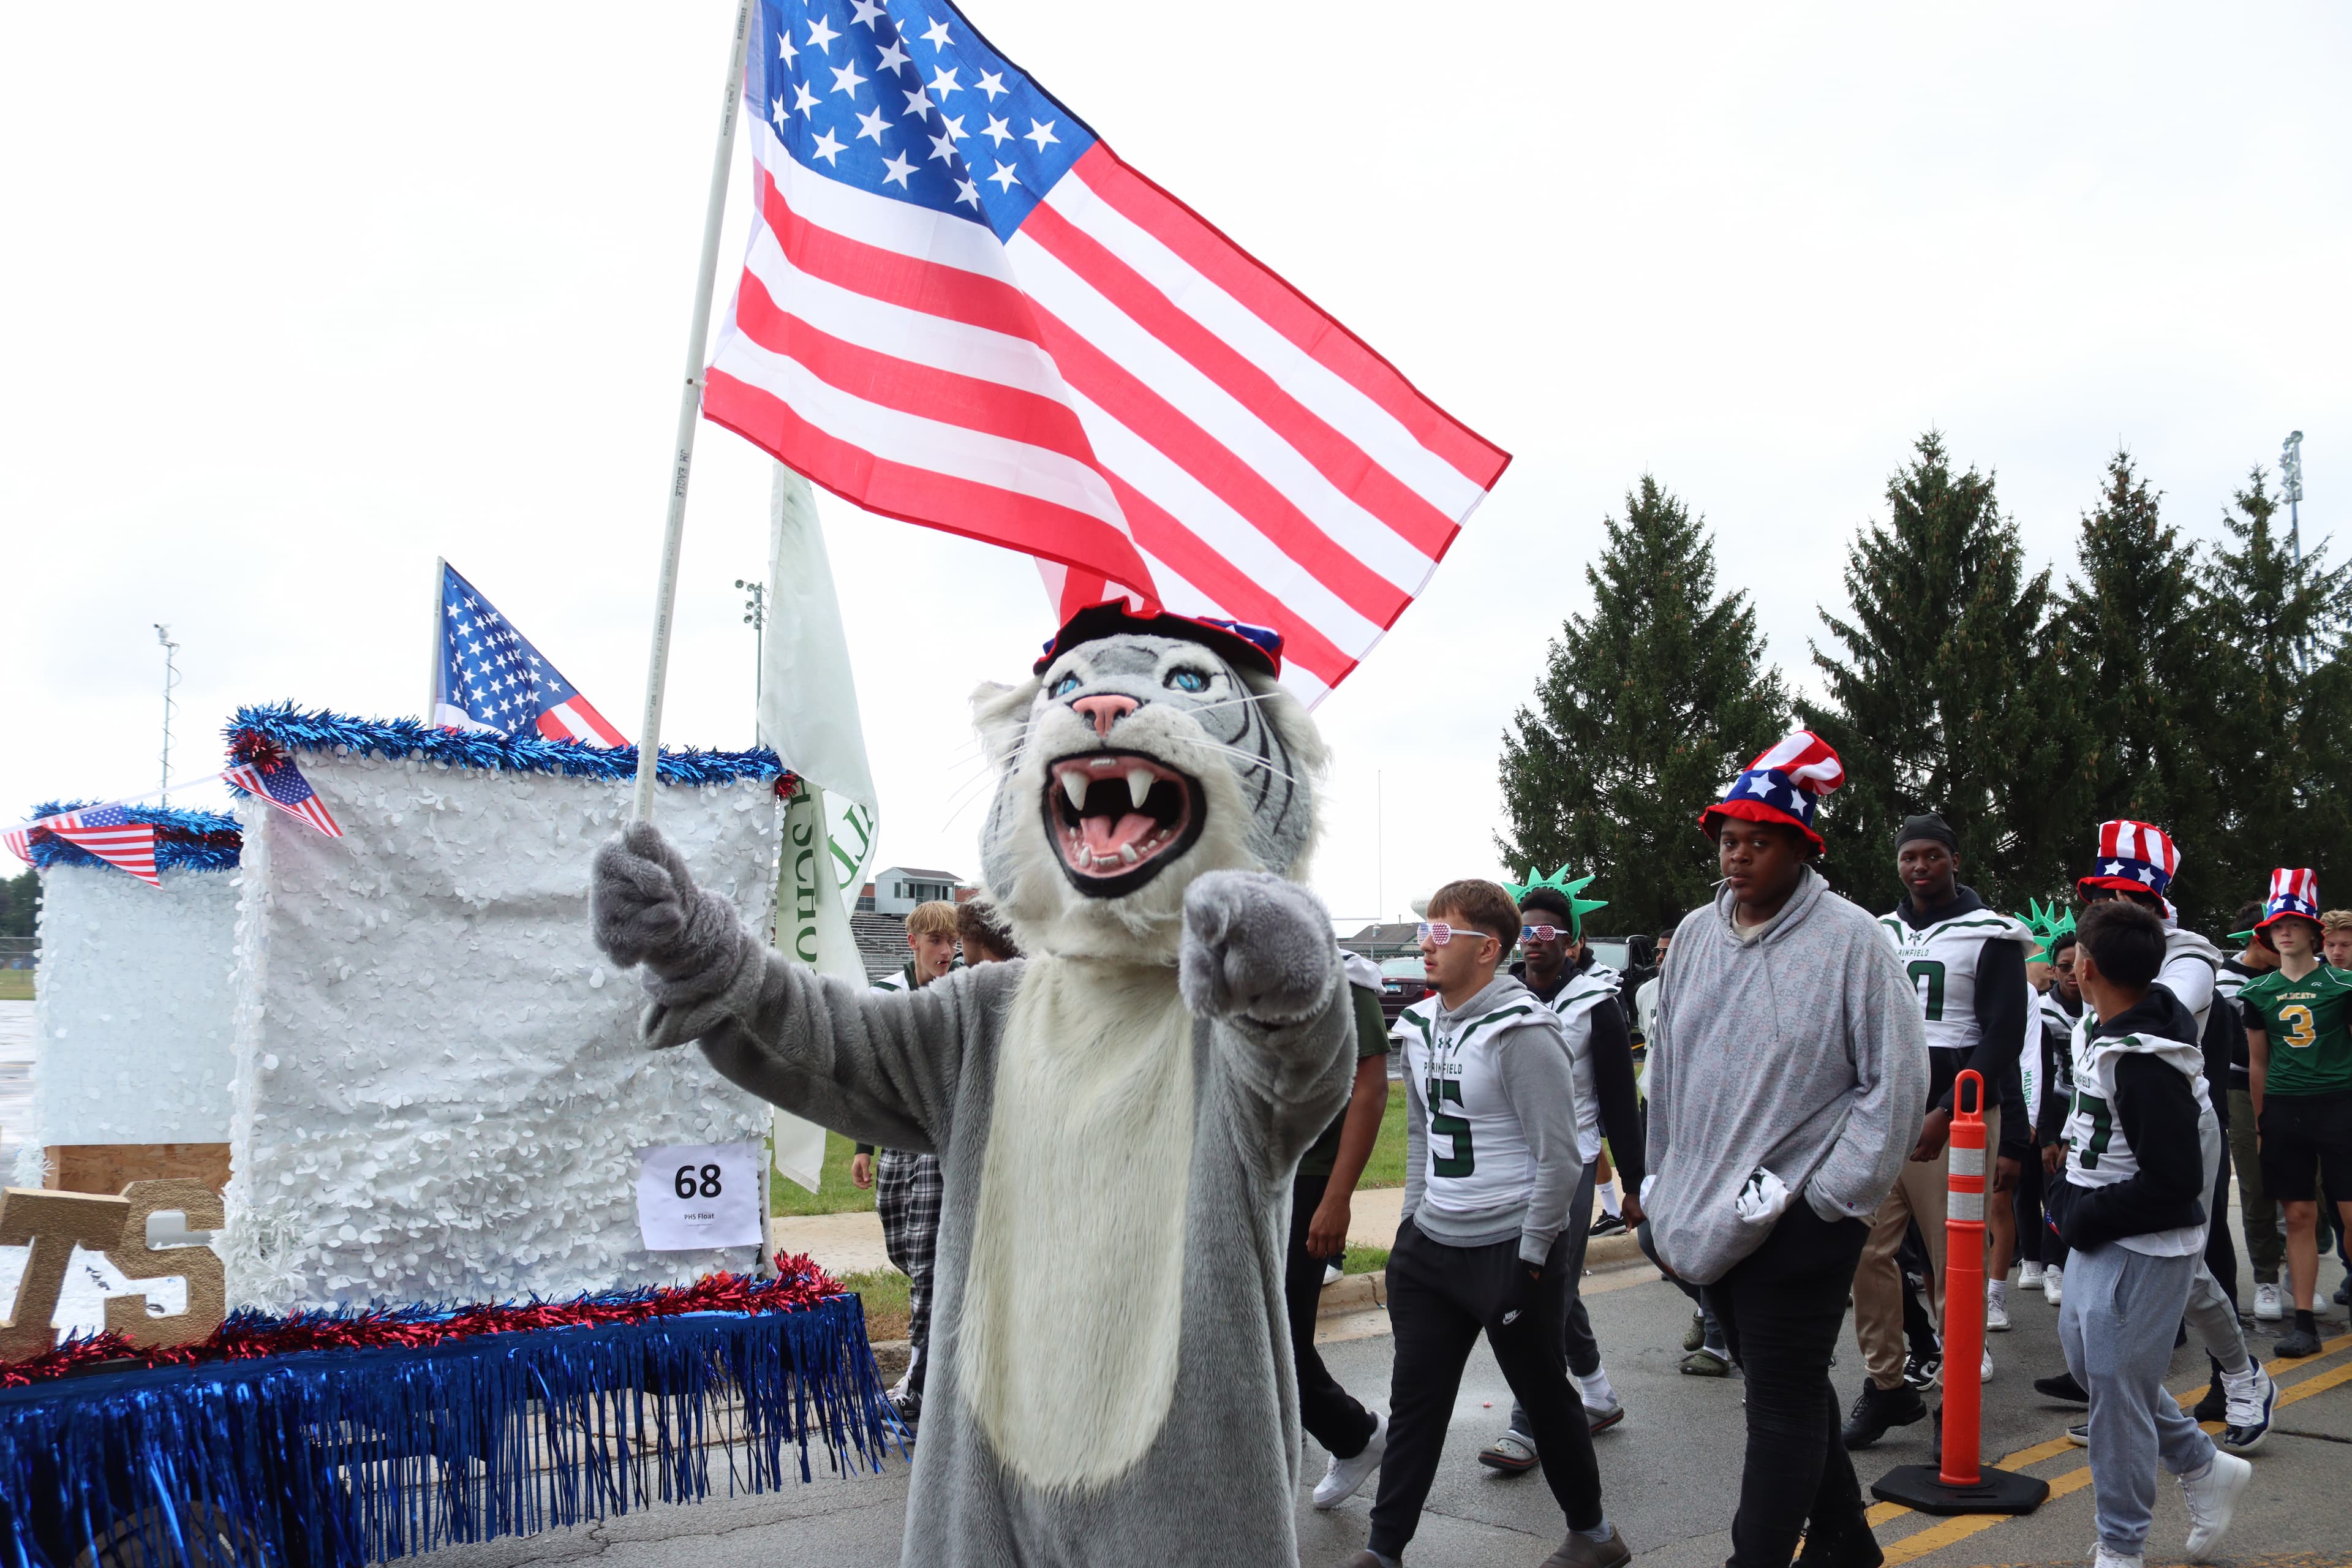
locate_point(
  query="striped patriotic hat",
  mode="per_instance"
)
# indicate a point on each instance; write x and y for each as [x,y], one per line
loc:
[1240,643]
[2293,892]
[1784,783]
[2134,857]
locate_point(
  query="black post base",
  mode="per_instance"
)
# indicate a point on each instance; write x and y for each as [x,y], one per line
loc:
[1996,1491]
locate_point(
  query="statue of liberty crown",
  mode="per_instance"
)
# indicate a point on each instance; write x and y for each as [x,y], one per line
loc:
[1559,883]
[2047,926]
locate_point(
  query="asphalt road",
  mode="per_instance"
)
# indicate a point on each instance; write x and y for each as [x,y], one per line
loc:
[1671,1471]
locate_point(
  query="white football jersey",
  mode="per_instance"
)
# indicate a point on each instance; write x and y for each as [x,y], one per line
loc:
[2098,1152]
[1941,959]
[1476,1156]
[1573,1008]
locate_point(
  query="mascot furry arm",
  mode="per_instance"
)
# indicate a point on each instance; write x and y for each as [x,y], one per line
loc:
[1116,1116]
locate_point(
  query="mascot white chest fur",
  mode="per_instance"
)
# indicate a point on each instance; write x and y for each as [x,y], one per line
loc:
[1117,1115]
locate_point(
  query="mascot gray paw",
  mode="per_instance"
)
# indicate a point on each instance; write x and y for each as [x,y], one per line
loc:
[646,910]
[1256,945]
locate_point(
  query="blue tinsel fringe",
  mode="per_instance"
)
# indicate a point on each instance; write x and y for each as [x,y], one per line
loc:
[351,1457]
[320,731]
[185,840]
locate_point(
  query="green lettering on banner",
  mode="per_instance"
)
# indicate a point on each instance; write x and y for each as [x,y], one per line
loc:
[858,821]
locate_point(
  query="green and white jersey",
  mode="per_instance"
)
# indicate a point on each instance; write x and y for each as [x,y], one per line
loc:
[1941,960]
[2307,1019]
[902,981]
[2098,1153]
[1573,1008]
[1477,1158]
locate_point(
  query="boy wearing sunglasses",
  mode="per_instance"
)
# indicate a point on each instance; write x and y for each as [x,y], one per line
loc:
[1491,1165]
[1583,997]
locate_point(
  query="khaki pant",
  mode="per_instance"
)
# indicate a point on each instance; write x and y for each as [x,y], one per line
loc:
[1920,1193]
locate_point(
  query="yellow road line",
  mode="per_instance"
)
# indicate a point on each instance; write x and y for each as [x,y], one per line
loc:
[1959,1527]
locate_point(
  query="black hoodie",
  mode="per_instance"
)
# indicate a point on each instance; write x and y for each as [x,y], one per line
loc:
[2158,1111]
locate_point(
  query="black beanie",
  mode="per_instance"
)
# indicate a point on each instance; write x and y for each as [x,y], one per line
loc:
[1929,827]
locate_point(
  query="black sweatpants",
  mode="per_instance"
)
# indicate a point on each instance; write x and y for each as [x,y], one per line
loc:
[1331,1416]
[1440,1298]
[1782,1308]
[2036,1242]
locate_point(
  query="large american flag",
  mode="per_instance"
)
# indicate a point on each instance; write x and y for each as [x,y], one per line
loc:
[490,678]
[107,832]
[961,309]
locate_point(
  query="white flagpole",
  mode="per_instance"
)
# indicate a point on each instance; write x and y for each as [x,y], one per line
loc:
[433,682]
[689,412]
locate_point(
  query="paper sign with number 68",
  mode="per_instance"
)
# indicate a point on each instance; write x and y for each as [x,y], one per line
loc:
[696,1195]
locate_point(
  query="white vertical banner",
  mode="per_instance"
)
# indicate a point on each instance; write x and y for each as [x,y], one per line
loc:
[808,714]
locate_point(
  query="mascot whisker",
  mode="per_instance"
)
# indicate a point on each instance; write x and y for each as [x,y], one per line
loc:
[1118,1116]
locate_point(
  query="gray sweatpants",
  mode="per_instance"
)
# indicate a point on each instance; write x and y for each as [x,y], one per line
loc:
[2116,1326]
[2213,1317]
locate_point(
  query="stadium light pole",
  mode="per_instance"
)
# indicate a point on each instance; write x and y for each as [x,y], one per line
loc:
[170,679]
[2291,490]
[755,616]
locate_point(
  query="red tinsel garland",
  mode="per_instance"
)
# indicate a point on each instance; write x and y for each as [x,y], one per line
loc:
[245,1336]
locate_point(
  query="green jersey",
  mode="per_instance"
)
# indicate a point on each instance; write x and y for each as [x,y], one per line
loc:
[2310,1046]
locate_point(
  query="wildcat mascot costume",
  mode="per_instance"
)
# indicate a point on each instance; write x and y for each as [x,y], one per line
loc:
[1116,1116]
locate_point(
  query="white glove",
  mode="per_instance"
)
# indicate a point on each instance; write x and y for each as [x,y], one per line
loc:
[1762,1198]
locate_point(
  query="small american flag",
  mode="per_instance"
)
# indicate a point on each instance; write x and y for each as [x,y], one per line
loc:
[20,843]
[961,309]
[107,832]
[490,678]
[281,783]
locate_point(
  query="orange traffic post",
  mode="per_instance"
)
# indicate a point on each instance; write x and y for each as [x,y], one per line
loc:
[1961,1483]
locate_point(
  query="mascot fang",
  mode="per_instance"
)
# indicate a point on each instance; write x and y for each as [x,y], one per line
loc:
[1116,1116]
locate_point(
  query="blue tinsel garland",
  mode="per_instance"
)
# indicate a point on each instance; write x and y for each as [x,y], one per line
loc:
[352,1456]
[295,729]
[185,840]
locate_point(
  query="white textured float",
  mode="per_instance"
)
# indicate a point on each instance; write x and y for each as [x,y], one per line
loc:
[134,1006]
[440,1095]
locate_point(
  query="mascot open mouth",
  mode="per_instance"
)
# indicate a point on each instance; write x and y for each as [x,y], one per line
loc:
[1116,817]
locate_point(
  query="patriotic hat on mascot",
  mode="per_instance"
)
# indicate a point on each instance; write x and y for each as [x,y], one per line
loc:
[2293,893]
[1238,642]
[1784,783]
[2134,857]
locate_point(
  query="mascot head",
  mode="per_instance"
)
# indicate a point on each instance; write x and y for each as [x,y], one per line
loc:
[1146,750]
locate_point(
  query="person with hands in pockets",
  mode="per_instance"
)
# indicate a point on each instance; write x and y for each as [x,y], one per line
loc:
[1788,1081]
[1492,1164]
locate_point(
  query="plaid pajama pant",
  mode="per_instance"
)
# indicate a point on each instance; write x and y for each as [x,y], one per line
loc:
[907,1190]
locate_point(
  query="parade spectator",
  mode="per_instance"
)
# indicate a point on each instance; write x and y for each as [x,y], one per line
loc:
[981,933]
[907,1188]
[1492,1161]
[2336,938]
[1788,1076]
[2258,1212]
[2131,1208]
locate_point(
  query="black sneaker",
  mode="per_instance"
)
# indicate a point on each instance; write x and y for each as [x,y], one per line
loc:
[2061,1387]
[1875,1409]
[1920,1373]
[2215,1405]
[2296,1342]
[1608,1225]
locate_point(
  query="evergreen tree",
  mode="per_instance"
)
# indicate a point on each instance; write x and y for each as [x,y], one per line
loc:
[2282,726]
[1646,706]
[1934,699]
[2135,686]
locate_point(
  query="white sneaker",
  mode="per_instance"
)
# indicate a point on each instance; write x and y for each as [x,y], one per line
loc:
[2029,1275]
[2102,1558]
[1344,1476]
[1331,1275]
[1985,1374]
[2270,1306]
[2054,1280]
[1996,1315]
[2251,1397]
[2213,1496]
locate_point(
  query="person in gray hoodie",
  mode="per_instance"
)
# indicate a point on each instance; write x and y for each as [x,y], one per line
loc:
[1788,1081]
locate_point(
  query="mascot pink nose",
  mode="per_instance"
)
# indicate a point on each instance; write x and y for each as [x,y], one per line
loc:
[1105,710]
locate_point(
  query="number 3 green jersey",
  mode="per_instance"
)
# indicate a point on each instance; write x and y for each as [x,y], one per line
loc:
[2310,1046]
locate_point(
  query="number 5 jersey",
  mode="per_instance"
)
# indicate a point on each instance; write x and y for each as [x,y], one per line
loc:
[1491,1119]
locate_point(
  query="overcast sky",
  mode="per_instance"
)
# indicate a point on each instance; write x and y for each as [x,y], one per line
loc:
[294,299]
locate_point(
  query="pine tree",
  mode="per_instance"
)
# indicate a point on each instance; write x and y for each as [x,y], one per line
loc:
[1935,704]
[1647,705]
[2282,725]
[2133,670]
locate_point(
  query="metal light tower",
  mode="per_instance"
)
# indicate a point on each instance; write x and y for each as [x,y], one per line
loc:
[2291,490]
[170,679]
[755,616]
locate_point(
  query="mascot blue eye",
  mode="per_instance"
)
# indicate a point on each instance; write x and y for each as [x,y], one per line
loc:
[1188,680]
[1064,686]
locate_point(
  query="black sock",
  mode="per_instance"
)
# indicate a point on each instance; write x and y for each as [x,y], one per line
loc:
[2303,1323]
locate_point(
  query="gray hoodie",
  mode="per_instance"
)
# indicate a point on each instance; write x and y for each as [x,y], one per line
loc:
[1798,1050]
